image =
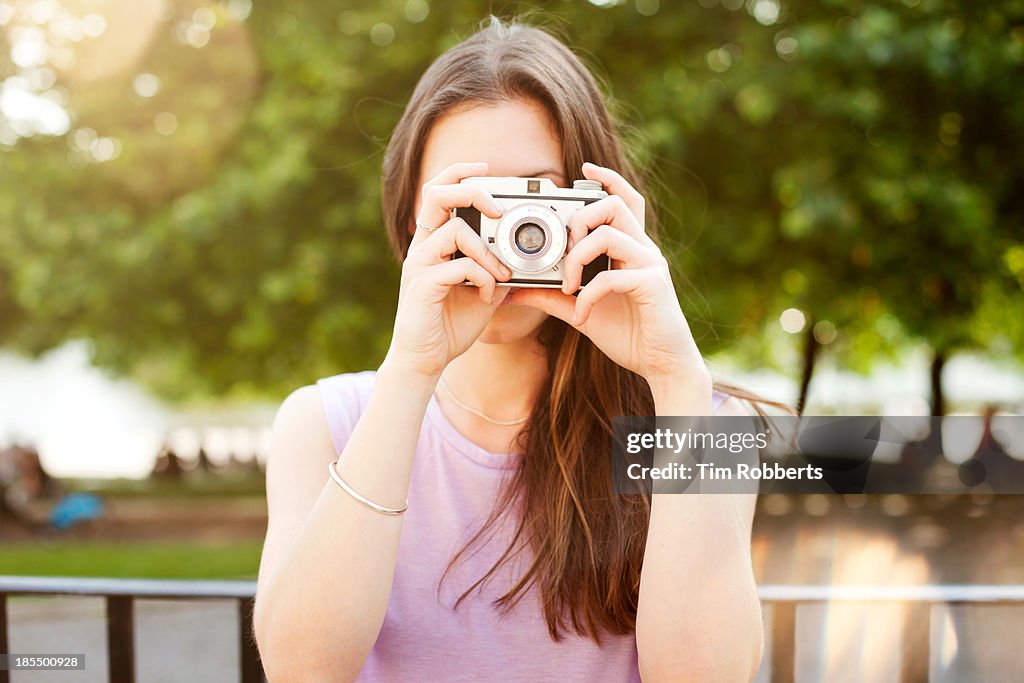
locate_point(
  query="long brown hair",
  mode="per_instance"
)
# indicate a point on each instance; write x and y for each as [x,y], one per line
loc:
[585,543]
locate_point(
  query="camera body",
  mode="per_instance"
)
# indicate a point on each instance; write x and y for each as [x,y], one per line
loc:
[531,237]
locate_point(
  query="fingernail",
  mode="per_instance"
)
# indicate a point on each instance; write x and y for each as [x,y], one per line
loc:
[506,272]
[498,209]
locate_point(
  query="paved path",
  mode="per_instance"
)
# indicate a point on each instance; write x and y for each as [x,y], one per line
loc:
[194,641]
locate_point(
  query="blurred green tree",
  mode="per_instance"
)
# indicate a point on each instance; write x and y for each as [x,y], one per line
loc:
[210,218]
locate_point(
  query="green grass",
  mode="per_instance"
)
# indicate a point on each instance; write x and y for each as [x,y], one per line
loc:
[191,485]
[151,559]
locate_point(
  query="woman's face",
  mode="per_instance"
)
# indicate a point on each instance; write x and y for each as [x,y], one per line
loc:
[515,138]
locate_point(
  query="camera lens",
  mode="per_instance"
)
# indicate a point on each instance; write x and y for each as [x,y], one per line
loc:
[530,238]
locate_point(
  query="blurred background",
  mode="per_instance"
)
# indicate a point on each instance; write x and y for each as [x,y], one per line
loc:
[190,230]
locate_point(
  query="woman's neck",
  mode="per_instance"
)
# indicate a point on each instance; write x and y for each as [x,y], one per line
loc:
[499,380]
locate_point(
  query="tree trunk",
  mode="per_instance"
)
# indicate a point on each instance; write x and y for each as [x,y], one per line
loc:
[938,397]
[811,347]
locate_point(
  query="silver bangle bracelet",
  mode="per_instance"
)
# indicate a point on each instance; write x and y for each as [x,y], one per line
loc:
[365,501]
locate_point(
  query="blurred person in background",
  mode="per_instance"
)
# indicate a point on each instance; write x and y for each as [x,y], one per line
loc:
[23,480]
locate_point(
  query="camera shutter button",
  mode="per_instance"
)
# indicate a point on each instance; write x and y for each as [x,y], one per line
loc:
[587,185]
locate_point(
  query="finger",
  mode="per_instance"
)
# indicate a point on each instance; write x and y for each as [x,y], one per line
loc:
[469,242]
[604,240]
[611,210]
[439,200]
[420,252]
[448,176]
[458,271]
[456,235]
[457,172]
[603,284]
[550,301]
[617,185]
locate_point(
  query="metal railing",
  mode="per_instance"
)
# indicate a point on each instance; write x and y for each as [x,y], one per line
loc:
[783,600]
[120,595]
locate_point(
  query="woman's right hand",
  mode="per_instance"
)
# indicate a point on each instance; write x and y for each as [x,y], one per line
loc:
[438,320]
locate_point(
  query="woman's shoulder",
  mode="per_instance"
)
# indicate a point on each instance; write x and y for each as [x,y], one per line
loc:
[343,398]
[348,386]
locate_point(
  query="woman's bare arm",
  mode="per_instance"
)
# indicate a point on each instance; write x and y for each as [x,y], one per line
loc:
[328,561]
[699,615]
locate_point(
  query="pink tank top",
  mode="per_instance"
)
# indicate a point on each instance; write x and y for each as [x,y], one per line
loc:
[453,486]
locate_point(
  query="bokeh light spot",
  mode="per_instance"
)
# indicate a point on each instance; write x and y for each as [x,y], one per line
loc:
[146,85]
[382,34]
[793,320]
[825,332]
[416,10]
[165,123]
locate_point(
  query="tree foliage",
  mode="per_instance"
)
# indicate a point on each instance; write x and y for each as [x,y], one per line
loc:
[860,161]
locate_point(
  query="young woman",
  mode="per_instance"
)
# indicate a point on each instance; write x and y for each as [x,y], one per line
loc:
[468,530]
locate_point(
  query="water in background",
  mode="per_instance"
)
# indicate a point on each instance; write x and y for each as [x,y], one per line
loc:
[86,424]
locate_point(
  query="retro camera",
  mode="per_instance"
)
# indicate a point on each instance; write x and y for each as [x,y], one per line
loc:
[531,237]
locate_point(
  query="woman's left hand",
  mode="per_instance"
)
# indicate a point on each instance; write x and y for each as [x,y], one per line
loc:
[630,312]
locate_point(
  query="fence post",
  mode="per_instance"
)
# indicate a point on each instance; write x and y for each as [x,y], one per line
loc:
[783,641]
[917,626]
[5,675]
[120,638]
[252,670]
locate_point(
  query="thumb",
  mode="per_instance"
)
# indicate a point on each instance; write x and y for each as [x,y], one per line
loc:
[551,301]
